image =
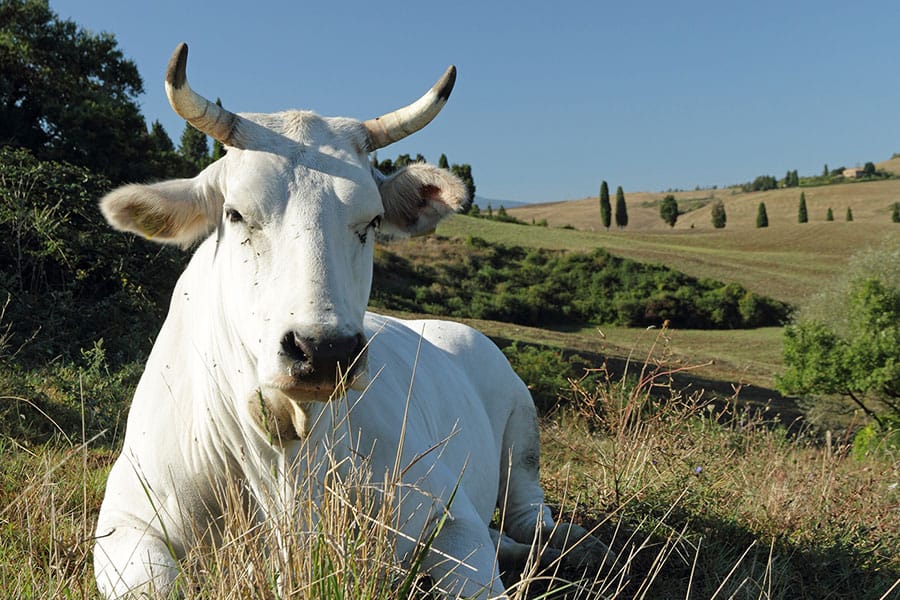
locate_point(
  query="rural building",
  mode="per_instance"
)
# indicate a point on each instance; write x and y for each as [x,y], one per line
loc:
[852,173]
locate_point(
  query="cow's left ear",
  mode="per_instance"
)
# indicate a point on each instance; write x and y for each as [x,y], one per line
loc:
[417,197]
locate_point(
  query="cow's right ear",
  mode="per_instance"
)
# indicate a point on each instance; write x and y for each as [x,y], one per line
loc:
[417,197]
[171,212]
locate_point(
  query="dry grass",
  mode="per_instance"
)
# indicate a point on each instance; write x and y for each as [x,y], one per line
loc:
[751,511]
[700,500]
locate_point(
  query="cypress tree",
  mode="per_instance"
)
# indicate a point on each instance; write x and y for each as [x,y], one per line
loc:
[849,214]
[762,219]
[829,216]
[605,207]
[802,215]
[895,213]
[718,215]
[668,210]
[621,209]
[443,163]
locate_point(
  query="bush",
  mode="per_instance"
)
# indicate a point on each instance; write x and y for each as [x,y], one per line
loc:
[70,279]
[543,288]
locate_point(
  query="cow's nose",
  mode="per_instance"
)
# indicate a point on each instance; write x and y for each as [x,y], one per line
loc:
[319,360]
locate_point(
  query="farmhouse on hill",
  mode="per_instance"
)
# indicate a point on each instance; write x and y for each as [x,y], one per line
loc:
[853,172]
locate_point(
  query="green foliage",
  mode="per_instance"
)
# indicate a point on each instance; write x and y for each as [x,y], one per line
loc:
[869,169]
[802,214]
[546,371]
[621,209]
[895,212]
[51,401]
[194,149]
[668,210]
[855,351]
[69,94]
[761,184]
[829,216]
[70,278]
[605,206]
[873,439]
[718,215]
[545,288]
[849,216]
[762,219]
[791,179]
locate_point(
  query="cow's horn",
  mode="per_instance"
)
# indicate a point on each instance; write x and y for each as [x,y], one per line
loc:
[405,121]
[208,117]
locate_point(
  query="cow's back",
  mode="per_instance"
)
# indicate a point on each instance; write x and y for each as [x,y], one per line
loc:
[461,393]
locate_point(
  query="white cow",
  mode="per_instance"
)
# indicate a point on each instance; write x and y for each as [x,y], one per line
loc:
[269,313]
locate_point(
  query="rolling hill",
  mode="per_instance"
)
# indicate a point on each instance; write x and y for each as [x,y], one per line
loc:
[870,202]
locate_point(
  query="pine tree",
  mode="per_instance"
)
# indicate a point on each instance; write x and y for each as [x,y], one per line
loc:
[895,213]
[159,139]
[668,210]
[621,209]
[164,162]
[605,208]
[849,214]
[829,216]
[443,163]
[194,149]
[718,215]
[802,215]
[762,219]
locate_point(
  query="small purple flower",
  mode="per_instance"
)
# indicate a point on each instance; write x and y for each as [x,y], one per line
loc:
[698,470]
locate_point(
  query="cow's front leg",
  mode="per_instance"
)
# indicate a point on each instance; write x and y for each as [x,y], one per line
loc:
[463,561]
[133,561]
[580,551]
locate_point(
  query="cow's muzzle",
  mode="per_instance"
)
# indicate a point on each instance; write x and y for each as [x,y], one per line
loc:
[323,364]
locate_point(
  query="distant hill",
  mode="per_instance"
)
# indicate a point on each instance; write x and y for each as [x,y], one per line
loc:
[869,201]
[495,203]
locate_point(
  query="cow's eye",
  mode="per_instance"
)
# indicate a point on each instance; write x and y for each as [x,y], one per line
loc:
[233,216]
[364,234]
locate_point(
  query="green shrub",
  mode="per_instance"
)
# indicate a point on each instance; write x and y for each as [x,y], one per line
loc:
[475,279]
[70,279]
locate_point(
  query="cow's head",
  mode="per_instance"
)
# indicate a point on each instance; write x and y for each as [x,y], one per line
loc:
[295,206]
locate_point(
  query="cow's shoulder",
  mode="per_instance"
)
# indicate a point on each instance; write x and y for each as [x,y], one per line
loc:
[472,352]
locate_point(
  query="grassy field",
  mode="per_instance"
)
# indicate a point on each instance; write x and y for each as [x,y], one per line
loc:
[701,497]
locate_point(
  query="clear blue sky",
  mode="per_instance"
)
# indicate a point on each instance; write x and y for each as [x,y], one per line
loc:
[554,96]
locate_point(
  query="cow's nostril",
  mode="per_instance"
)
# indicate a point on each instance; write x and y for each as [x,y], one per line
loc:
[321,359]
[295,347]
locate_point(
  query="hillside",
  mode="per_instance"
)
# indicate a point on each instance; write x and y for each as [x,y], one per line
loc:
[788,263]
[870,202]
